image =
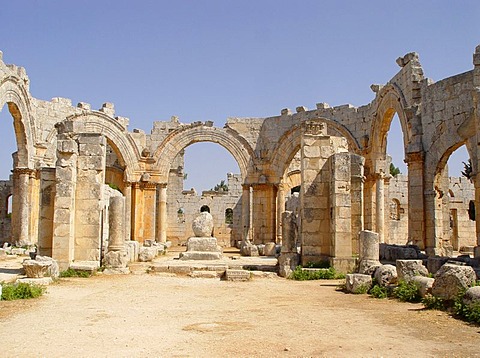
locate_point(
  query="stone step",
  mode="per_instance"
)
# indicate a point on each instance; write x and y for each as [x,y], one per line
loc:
[237,275]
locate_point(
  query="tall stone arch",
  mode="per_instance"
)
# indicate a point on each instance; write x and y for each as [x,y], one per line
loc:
[190,134]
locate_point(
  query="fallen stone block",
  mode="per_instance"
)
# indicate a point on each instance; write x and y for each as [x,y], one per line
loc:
[358,283]
[43,281]
[452,278]
[424,284]
[386,275]
[407,269]
[472,296]
[203,274]
[147,254]
[42,266]
[87,266]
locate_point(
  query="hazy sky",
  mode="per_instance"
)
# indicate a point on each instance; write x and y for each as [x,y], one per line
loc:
[208,60]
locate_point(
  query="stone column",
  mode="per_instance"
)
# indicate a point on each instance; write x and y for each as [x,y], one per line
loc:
[280,210]
[137,213]
[20,206]
[162,214]
[369,254]
[416,206]
[149,202]
[34,205]
[128,211]
[245,212]
[431,225]
[116,224]
[380,206]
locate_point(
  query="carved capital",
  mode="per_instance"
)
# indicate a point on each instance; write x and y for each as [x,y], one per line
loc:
[315,128]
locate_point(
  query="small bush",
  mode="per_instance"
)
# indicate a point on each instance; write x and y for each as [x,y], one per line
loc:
[407,292]
[378,291]
[322,274]
[432,302]
[362,289]
[470,312]
[20,291]
[75,273]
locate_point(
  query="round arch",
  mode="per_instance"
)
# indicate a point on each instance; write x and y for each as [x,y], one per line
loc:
[290,142]
[116,135]
[181,138]
[391,101]
[16,97]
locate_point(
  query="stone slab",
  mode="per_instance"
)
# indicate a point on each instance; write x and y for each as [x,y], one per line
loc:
[89,266]
[204,274]
[237,275]
[200,255]
[43,281]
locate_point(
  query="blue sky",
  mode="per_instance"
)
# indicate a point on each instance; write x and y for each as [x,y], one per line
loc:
[208,60]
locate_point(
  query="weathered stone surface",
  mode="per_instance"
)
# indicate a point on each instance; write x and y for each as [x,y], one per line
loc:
[407,269]
[42,266]
[424,284]
[88,266]
[116,259]
[206,244]
[248,249]
[237,275]
[270,249]
[200,255]
[42,281]
[133,248]
[147,254]
[357,282]
[202,225]
[397,252]
[472,296]
[368,267]
[204,274]
[287,263]
[450,279]
[369,245]
[386,275]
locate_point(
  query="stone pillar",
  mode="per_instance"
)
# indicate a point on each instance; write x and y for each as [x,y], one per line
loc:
[89,196]
[280,211]
[128,211]
[20,206]
[246,213]
[416,206]
[356,189]
[431,225]
[64,202]
[116,224]
[476,100]
[369,254]
[162,214]
[149,219]
[477,214]
[137,213]
[289,258]
[264,213]
[47,196]
[340,212]
[380,206]
[34,205]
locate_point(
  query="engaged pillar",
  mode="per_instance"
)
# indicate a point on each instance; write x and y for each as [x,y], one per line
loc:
[162,214]
[380,202]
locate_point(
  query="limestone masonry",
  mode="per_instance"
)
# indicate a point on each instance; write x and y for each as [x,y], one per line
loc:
[327,165]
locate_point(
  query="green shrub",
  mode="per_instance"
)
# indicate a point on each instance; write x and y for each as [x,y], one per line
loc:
[75,273]
[407,292]
[469,312]
[362,289]
[432,302]
[378,291]
[20,291]
[321,274]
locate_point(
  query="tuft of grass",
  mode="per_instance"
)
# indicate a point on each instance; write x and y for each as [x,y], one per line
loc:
[407,292]
[21,291]
[378,291]
[432,302]
[75,273]
[321,274]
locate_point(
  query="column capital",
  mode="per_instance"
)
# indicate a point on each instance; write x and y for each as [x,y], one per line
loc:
[414,157]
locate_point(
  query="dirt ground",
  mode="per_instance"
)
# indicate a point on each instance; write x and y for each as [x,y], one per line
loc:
[161,316]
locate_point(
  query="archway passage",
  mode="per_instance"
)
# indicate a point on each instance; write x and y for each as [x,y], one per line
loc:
[204,174]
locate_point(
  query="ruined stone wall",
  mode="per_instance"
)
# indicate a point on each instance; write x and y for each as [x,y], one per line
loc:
[6,190]
[397,210]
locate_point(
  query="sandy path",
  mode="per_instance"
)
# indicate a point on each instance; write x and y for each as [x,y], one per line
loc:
[158,316]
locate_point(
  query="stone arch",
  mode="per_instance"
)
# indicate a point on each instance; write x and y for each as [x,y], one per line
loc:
[289,144]
[190,134]
[390,101]
[17,99]
[117,137]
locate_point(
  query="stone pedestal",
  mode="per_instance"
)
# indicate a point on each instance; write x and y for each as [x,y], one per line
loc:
[202,248]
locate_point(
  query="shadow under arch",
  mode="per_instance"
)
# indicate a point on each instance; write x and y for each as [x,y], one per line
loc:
[185,136]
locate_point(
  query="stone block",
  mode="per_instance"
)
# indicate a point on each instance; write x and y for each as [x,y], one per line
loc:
[146,254]
[88,266]
[200,255]
[270,249]
[116,259]
[42,281]
[451,278]
[357,283]
[204,274]
[407,269]
[424,284]
[287,262]
[434,263]
[237,275]
[386,275]
[202,244]
[472,296]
